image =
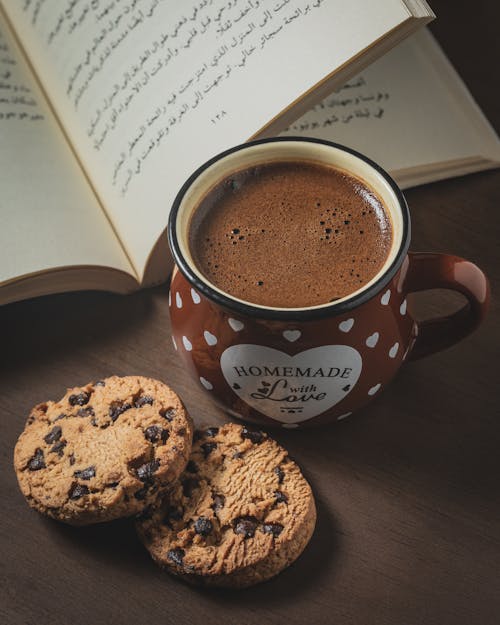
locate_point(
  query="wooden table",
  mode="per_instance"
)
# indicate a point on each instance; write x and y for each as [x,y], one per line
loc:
[408,492]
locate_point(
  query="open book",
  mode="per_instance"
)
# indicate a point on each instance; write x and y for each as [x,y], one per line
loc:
[107,107]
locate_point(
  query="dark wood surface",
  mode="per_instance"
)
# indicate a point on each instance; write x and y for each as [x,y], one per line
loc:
[408,491]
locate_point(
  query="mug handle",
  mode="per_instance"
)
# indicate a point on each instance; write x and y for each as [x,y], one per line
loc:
[444,271]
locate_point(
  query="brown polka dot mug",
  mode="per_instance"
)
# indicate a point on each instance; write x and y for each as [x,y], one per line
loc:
[296,367]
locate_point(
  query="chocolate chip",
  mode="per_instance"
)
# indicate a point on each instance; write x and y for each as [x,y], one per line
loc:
[146,471]
[61,416]
[152,433]
[117,408]
[219,501]
[164,436]
[86,412]
[189,484]
[168,413]
[37,462]
[272,528]
[245,525]
[237,455]
[85,474]
[141,493]
[54,435]
[181,431]
[78,490]
[192,467]
[280,497]
[203,526]
[256,436]
[79,399]
[58,448]
[112,484]
[176,555]
[280,473]
[143,400]
[100,383]
[72,459]
[212,431]
[208,448]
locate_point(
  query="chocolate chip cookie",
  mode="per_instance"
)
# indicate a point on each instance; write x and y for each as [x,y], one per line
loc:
[104,450]
[240,513]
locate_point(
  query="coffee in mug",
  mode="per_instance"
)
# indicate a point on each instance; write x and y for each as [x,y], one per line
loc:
[290,234]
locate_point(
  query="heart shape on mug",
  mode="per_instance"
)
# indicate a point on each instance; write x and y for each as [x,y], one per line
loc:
[292,335]
[291,389]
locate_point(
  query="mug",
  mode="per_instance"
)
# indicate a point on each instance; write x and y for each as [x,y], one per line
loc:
[296,367]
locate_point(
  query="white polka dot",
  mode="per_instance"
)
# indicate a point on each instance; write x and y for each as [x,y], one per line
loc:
[178,300]
[208,385]
[187,343]
[394,350]
[402,308]
[372,340]
[292,335]
[210,338]
[374,389]
[195,297]
[235,324]
[175,344]
[290,426]
[344,416]
[345,326]
[385,297]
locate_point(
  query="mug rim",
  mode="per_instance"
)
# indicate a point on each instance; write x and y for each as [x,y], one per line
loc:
[288,314]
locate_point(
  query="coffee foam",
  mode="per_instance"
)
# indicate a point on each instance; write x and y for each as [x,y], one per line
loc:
[290,234]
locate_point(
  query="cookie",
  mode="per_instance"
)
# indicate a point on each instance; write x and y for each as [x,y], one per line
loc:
[104,450]
[241,512]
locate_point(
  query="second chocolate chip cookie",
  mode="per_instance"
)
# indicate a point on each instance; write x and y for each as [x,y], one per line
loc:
[241,512]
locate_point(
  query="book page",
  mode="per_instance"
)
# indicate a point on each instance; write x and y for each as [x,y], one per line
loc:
[407,111]
[49,216]
[149,90]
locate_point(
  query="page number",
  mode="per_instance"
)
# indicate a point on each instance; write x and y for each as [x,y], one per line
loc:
[218,116]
